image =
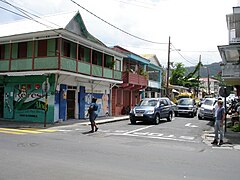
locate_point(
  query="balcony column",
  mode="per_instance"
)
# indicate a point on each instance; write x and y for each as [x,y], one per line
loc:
[91,55]
[103,64]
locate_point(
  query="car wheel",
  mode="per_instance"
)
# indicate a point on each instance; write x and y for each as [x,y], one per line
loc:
[199,117]
[176,114]
[169,118]
[132,121]
[191,115]
[157,119]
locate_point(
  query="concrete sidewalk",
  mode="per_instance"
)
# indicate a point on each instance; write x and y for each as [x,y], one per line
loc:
[231,139]
[100,120]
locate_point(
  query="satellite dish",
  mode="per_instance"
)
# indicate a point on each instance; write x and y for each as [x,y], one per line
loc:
[227,93]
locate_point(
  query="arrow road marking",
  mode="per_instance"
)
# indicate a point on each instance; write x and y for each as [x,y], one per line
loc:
[190,125]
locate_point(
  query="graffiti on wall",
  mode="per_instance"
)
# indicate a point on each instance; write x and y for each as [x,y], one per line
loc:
[102,101]
[29,101]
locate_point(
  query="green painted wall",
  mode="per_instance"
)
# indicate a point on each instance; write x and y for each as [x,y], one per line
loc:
[68,64]
[84,68]
[7,51]
[4,65]
[107,73]
[51,44]
[14,50]
[46,63]
[25,100]
[29,49]
[96,70]
[21,64]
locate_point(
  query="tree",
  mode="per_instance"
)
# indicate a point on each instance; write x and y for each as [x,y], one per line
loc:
[177,77]
[190,80]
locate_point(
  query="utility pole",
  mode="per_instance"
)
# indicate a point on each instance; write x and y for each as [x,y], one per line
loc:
[208,81]
[168,67]
[199,74]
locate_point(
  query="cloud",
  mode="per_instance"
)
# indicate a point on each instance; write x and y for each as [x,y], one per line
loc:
[195,26]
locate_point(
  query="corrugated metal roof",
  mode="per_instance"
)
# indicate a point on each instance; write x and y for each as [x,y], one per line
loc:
[49,22]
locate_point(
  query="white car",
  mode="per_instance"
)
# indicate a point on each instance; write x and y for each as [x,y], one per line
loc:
[207,109]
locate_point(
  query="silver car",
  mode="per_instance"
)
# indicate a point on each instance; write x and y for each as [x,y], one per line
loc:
[207,109]
[186,106]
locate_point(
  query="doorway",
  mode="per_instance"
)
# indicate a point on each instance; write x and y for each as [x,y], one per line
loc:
[70,104]
[1,101]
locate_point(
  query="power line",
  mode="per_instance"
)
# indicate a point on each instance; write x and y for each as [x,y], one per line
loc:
[181,55]
[26,15]
[27,12]
[149,41]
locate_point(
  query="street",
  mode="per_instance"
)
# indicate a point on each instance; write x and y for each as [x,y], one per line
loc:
[119,150]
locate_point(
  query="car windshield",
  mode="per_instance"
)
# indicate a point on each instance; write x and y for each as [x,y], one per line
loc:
[149,102]
[185,101]
[209,102]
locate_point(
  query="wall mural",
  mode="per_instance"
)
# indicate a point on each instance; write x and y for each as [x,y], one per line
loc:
[29,101]
[102,101]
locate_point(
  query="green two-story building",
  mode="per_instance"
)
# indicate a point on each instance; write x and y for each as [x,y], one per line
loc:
[51,68]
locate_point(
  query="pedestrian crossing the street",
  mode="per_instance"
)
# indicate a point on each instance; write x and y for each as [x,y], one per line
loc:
[23,131]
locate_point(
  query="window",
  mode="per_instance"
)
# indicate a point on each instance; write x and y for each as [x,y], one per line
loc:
[22,50]
[108,61]
[94,58]
[66,48]
[118,65]
[42,48]
[81,53]
[2,51]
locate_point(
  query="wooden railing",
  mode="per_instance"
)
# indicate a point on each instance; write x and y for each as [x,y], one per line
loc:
[135,79]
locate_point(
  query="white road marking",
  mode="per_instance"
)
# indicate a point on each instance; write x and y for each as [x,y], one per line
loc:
[157,137]
[187,137]
[170,136]
[136,130]
[141,133]
[155,134]
[121,131]
[64,130]
[190,125]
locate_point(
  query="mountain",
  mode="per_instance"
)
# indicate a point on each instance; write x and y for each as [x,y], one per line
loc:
[214,69]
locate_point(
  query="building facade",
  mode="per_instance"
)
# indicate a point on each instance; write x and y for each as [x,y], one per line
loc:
[230,53]
[154,70]
[53,72]
[135,81]
[209,86]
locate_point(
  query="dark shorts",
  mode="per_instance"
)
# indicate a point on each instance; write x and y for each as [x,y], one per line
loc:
[92,117]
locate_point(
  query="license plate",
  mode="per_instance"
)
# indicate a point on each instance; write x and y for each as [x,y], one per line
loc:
[139,114]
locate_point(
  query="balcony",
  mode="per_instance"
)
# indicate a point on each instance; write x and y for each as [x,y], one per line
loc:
[231,73]
[134,80]
[55,63]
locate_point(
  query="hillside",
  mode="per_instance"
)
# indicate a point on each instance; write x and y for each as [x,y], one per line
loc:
[214,69]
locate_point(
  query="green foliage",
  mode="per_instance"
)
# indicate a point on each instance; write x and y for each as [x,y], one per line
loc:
[190,80]
[177,77]
[236,128]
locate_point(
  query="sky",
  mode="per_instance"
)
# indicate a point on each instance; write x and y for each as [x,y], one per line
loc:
[195,27]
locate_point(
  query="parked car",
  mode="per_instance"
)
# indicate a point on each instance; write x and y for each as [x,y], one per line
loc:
[186,106]
[206,110]
[152,110]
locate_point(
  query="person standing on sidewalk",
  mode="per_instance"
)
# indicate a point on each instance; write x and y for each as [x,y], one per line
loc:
[92,112]
[218,125]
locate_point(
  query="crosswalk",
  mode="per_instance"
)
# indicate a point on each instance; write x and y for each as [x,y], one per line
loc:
[22,131]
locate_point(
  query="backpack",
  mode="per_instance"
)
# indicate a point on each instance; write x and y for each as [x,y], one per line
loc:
[95,107]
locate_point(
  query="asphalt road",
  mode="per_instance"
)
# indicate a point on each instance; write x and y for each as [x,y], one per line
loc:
[171,150]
